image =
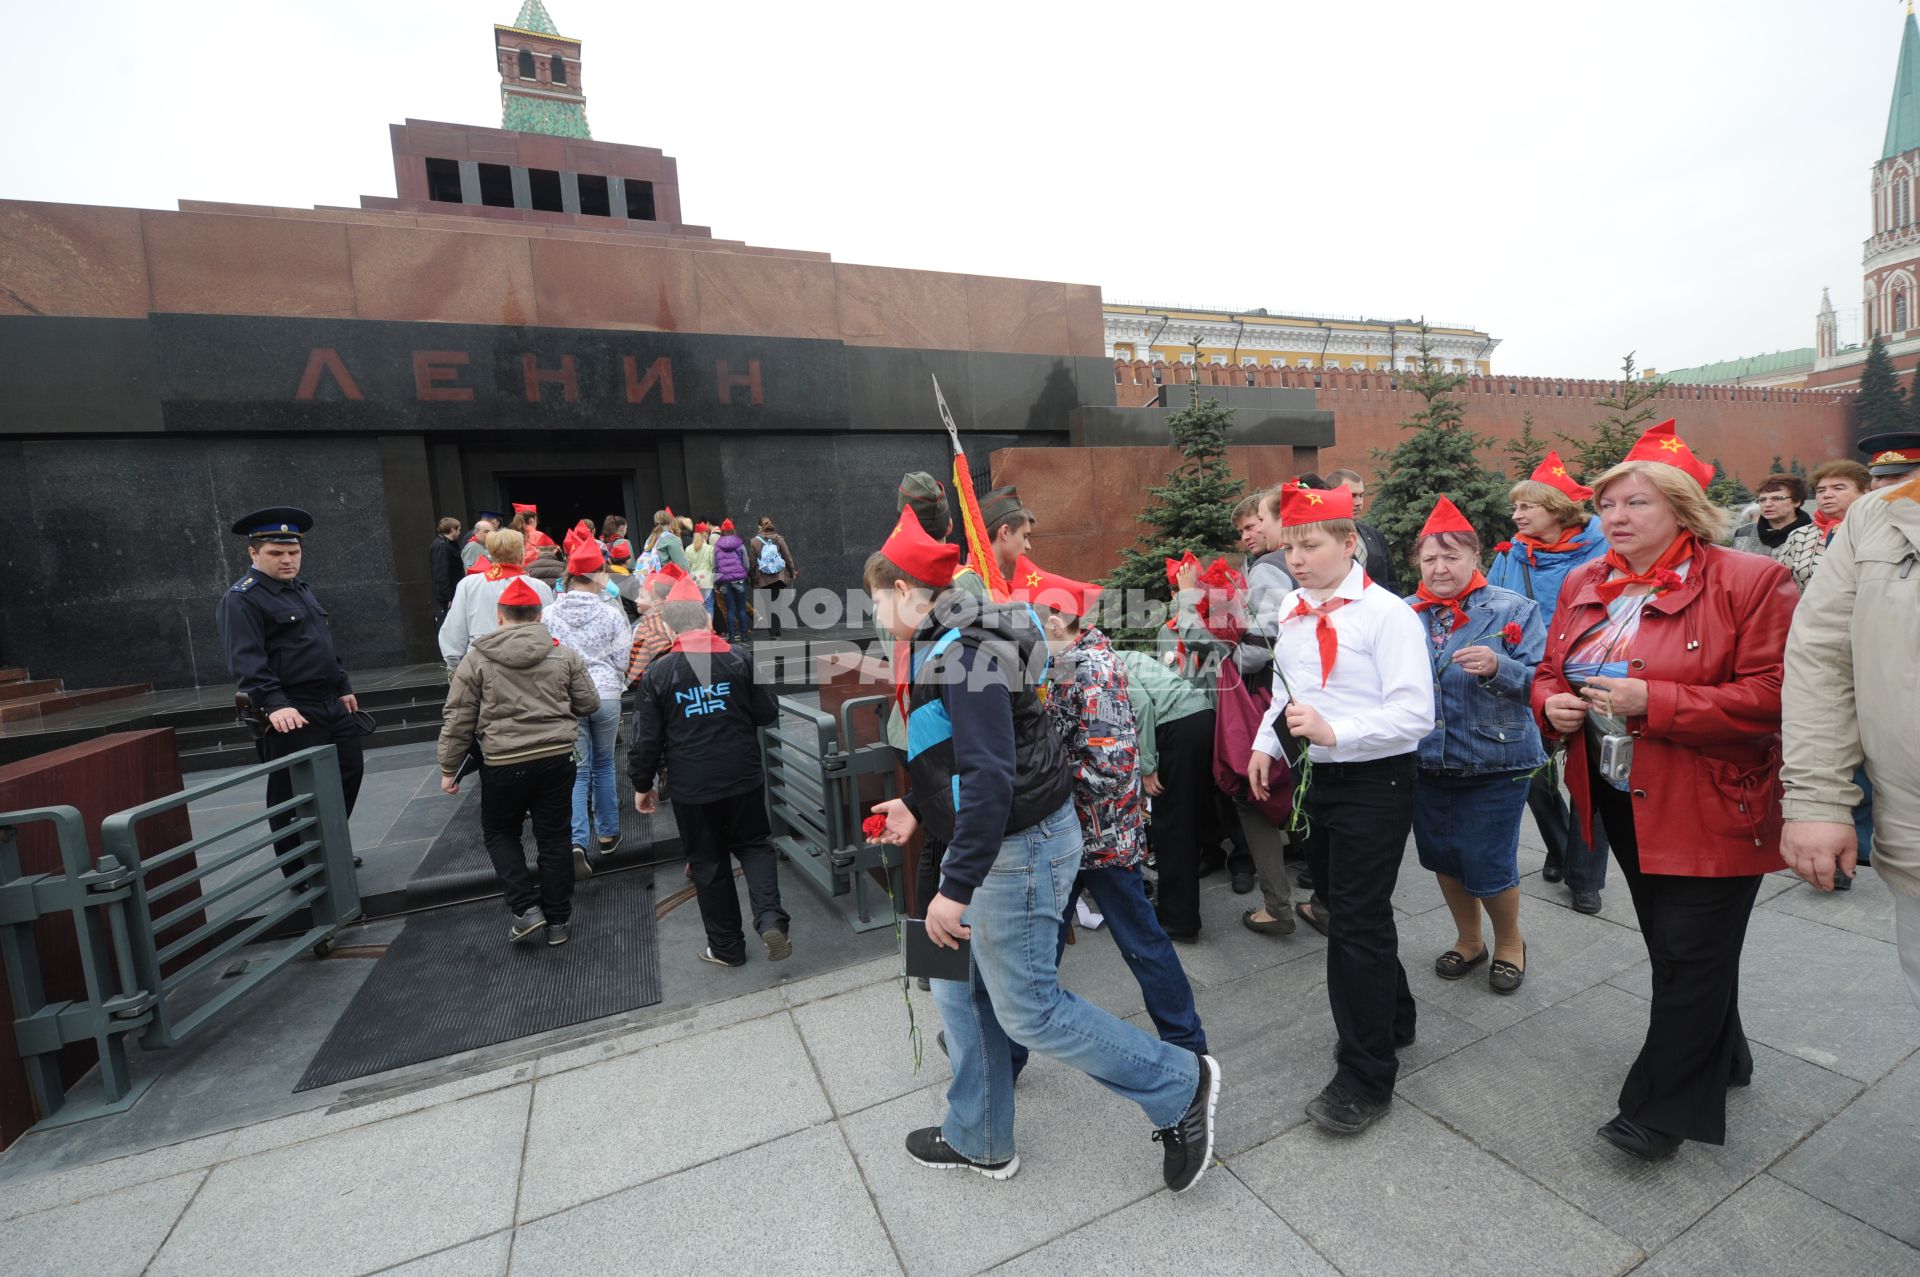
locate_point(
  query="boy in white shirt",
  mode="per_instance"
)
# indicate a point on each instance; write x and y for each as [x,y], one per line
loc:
[1352,681]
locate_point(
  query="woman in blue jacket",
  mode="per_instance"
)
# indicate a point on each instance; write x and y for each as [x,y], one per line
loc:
[1471,789]
[1554,534]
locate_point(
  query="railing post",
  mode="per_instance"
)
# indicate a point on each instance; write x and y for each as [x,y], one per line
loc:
[318,774]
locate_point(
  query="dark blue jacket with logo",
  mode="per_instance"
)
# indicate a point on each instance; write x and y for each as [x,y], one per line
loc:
[700,709]
[984,761]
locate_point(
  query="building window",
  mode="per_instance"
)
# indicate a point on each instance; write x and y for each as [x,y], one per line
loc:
[443,181]
[543,190]
[594,201]
[1902,204]
[559,69]
[496,186]
[1899,310]
[526,65]
[639,200]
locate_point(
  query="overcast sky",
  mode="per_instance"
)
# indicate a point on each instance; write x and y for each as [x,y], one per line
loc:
[1679,177]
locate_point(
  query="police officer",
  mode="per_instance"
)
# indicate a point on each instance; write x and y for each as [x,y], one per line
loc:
[281,657]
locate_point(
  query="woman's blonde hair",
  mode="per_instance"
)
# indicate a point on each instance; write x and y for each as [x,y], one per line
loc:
[1690,505]
[506,546]
[1567,512]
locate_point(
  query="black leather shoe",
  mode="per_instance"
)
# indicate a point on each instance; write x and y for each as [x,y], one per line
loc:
[1553,870]
[1189,1142]
[1586,902]
[1242,883]
[1643,1142]
[1338,1110]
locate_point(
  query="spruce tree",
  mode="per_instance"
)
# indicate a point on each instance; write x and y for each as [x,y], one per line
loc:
[1776,466]
[1192,511]
[1722,491]
[1796,469]
[1913,402]
[1441,457]
[1613,436]
[1528,449]
[1881,403]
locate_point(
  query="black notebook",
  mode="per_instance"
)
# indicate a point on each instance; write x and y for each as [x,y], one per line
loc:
[925,958]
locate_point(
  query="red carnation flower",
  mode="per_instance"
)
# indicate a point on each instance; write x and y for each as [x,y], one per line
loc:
[1503,547]
[874,827]
[1512,632]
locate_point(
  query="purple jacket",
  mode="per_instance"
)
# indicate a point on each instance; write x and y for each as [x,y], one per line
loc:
[729,559]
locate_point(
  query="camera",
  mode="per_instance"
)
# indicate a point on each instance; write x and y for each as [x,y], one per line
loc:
[1616,758]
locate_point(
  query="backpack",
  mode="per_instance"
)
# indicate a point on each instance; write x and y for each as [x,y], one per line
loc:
[770,561]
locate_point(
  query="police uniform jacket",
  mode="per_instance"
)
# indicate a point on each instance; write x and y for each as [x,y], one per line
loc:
[278,647]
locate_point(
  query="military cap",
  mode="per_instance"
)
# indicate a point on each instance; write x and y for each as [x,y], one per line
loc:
[279,523]
[928,497]
[1891,452]
[1000,506]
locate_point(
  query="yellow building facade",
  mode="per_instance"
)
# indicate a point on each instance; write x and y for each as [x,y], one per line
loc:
[1263,339]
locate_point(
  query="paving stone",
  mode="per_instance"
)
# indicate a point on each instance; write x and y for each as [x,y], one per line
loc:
[1867,909]
[1227,951]
[652,1028]
[1273,1034]
[1566,953]
[1536,1093]
[24,1194]
[482,1257]
[1770,1230]
[1416,890]
[1616,903]
[1825,994]
[1411,1197]
[1218,1226]
[794,1205]
[859,1045]
[294,1128]
[1863,1160]
[107,1235]
[1083,1152]
[855,976]
[359,1200]
[613,1125]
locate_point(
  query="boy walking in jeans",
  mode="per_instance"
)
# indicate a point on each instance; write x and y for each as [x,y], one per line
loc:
[1354,658]
[990,779]
[700,708]
[522,696]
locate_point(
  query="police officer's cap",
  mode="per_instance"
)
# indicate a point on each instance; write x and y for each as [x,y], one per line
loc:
[279,523]
[1891,452]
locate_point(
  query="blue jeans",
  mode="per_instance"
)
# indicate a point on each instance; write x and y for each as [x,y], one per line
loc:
[706,596]
[1014,992]
[594,775]
[736,595]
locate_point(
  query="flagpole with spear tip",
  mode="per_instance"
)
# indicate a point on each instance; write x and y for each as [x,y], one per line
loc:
[972,522]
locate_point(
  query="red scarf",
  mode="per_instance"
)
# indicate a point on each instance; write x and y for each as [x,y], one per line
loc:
[501,571]
[1661,576]
[1323,633]
[1427,599]
[1565,545]
[1827,524]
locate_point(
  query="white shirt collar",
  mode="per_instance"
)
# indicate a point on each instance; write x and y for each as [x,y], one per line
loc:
[1355,584]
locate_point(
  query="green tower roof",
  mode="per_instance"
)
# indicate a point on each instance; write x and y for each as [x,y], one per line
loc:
[534,17]
[1903,119]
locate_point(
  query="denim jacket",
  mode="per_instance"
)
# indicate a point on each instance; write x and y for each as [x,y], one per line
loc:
[1485,724]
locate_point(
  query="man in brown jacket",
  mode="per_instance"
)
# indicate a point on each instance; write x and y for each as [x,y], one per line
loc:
[521,696]
[1850,697]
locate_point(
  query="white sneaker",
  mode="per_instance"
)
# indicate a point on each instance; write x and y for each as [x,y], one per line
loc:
[1090,918]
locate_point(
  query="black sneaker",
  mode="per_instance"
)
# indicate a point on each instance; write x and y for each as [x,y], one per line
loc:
[1242,883]
[525,924]
[559,932]
[609,845]
[778,946]
[929,1147]
[1189,1142]
[708,955]
[1338,1110]
[582,867]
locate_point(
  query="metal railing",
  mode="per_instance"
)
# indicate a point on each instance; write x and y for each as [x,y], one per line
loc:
[143,938]
[814,805]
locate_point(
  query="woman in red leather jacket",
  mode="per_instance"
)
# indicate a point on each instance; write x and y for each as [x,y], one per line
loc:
[1662,672]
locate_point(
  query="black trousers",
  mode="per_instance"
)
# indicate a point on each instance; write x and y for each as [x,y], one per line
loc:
[328,723]
[1585,866]
[773,589]
[509,795]
[1182,814]
[715,835]
[1695,929]
[1360,816]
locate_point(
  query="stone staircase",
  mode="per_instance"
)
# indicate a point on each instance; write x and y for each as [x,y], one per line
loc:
[23,697]
[214,737]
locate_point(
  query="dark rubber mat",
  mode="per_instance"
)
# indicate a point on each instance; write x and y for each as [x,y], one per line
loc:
[451,982]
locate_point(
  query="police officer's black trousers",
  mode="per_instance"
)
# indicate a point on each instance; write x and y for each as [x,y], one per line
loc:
[328,723]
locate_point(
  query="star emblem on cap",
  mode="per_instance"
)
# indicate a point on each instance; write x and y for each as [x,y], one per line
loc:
[1561,471]
[1314,498]
[1671,445]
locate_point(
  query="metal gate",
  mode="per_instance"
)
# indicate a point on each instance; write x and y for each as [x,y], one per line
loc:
[119,914]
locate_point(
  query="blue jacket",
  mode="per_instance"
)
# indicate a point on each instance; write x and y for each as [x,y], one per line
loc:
[1541,578]
[1486,724]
